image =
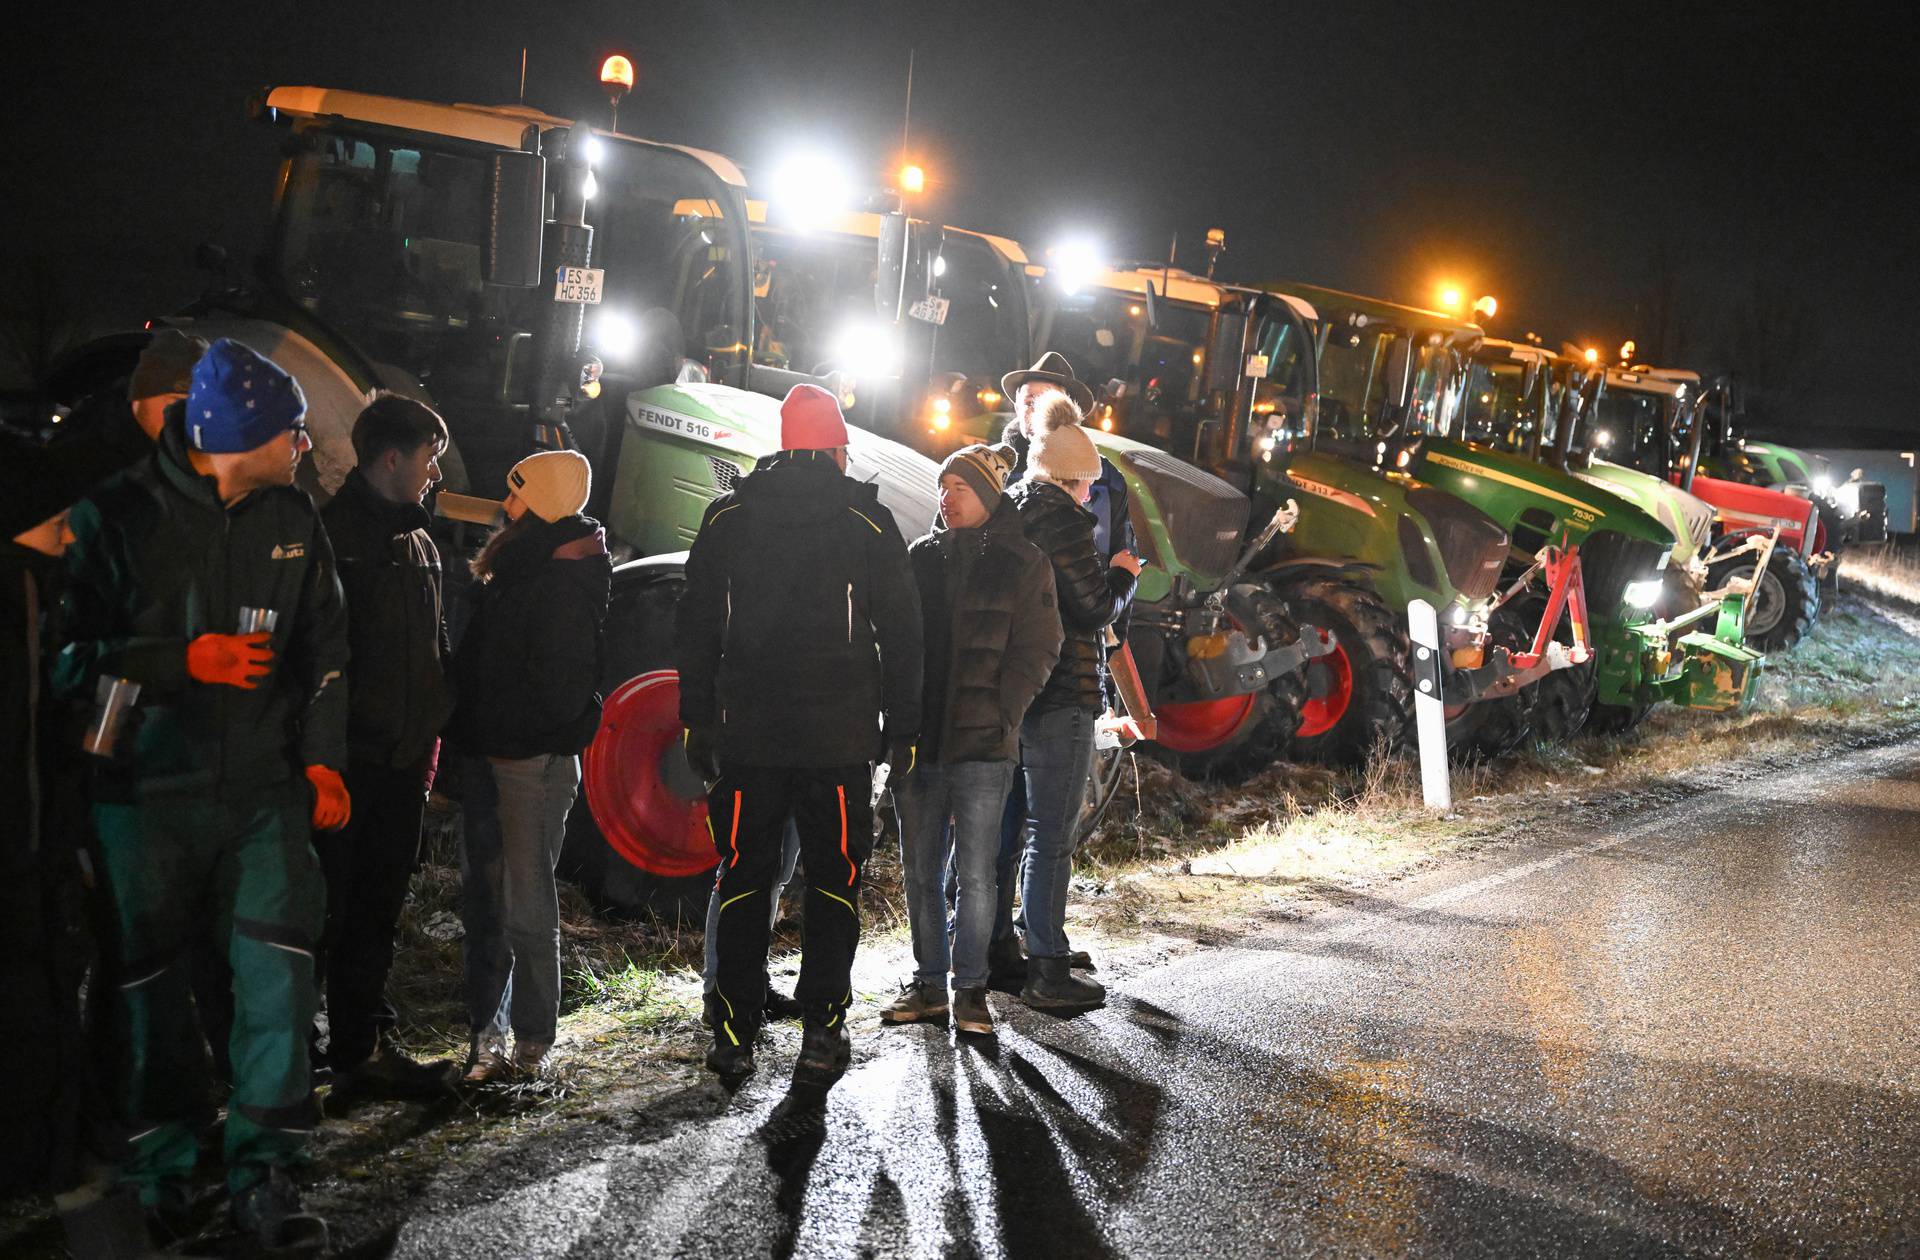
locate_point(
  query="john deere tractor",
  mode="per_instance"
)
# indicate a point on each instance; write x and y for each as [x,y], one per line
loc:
[1657,643]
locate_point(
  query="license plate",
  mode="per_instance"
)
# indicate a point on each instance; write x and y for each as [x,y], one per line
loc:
[931,310]
[578,285]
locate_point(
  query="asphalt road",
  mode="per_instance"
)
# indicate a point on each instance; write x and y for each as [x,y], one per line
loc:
[1696,1032]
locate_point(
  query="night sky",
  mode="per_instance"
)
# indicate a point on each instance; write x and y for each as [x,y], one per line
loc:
[1759,171]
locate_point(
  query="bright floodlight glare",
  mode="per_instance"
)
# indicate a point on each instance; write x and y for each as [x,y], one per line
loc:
[1643,593]
[913,178]
[1075,263]
[1450,297]
[867,349]
[810,188]
[595,150]
[1603,438]
[1822,485]
[615,334]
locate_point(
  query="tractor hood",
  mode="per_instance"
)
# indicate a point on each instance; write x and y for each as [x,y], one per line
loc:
[1689,517]
[1185,519]
[1739,507]
[1517,491]
[687,444]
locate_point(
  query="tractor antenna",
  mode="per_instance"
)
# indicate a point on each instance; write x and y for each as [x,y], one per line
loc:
[523,74]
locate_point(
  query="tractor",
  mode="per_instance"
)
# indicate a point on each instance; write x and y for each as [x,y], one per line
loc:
[1528,403]
[1656,421]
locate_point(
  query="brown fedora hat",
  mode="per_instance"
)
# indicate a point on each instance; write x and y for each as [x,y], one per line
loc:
[1055,370]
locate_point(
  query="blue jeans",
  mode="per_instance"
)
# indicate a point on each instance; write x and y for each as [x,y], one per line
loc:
[971,794]
[1056,746]
[789,858]
[513,817]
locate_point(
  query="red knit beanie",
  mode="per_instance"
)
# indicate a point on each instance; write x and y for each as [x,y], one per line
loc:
[810,420]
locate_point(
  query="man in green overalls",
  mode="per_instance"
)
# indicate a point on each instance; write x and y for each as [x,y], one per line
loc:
[234,752]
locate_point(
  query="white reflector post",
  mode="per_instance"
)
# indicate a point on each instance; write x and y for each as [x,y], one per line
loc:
[1429,714]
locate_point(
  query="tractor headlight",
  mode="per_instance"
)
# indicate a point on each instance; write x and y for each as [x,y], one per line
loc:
[1644,593]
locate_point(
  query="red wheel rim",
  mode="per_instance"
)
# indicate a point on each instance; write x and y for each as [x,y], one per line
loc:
[640,815]
[1202,724]
[1321,714]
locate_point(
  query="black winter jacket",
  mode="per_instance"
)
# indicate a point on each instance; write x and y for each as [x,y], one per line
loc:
[159,560]
[527,669]
[800,627]
[1111,505]
[397,694]
[1090,592]
[992,636]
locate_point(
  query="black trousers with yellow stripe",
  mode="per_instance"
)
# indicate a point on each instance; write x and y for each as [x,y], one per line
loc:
[748,808]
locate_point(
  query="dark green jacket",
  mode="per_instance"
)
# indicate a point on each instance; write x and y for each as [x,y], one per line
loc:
[158,561]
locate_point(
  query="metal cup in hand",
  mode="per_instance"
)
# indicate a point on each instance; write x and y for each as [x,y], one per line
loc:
[258,620]
[113,699]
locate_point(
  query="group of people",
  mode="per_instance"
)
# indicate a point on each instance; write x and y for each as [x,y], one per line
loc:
[250,695]
[813,643]
[249,698]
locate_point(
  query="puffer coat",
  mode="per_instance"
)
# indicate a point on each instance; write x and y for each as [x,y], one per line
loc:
[992,636]
[1091,594]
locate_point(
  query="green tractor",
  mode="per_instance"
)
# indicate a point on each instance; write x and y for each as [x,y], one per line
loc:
[1396,382]
[1531,404]
[1228,377]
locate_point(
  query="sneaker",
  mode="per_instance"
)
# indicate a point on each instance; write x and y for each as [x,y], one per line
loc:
[530,1057]
[824,1051]
[270,1211]
[917,1002]
[1006,965]
[387,1073]
[486,1063]
[1052,984]
[970,1013]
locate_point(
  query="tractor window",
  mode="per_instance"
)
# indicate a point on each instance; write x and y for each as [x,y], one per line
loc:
[1280,398]
[1627,428]
[812,293]
[985,333]
[1097,330]
[1435,394]
[1495,411]
[1353,370]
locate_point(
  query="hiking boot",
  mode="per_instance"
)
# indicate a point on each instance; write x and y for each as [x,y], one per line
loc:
[824,1051]
[486,1063]
[729,1061]
[970,1013]
[1051,984]
[917,1001]
[1006,965]
[387,1073]
[530,1057]
[270,1212]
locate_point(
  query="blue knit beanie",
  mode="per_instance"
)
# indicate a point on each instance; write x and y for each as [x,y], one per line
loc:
[240,400]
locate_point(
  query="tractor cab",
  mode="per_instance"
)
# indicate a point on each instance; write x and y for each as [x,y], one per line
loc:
[913,323]
[407,246]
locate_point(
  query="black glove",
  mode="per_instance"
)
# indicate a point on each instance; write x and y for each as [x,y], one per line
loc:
[901,755]
[702,759]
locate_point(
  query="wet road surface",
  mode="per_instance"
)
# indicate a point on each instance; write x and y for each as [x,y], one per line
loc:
[1694,1032]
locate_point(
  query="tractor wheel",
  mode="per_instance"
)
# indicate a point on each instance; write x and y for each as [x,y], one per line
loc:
[1563,699]
[1784,603]
[640,845]
[1360,695]
[1103,784]
[1494,728]
[1231,740]
[1615,719]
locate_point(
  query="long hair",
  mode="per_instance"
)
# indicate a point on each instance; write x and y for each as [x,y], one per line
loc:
[482,564]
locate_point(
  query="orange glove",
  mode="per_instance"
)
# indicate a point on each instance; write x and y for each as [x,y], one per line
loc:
[332,807]
[232,660]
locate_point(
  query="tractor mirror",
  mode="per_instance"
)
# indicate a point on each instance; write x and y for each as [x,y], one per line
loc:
[516,212]
[1153,308]
[890,280]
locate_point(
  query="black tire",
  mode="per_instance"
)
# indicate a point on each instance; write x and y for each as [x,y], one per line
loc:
[1103,784]
[639,639]
[1785,602]
[1379,664]
[1615,719]
[1268,734]
[1494,728]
